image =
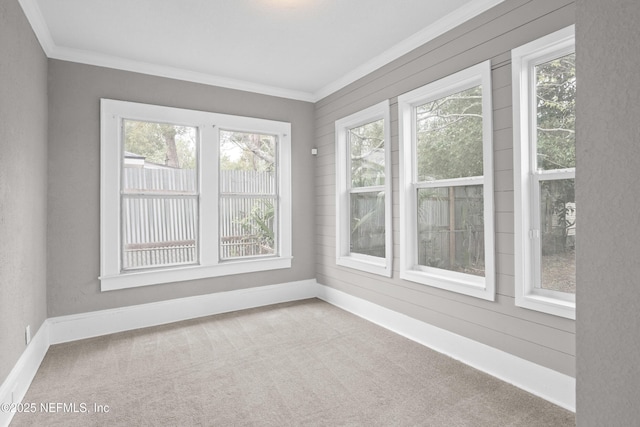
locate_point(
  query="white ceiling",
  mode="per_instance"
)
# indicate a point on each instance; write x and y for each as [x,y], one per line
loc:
[300,49]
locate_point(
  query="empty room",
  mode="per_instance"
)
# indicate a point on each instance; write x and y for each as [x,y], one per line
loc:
[319,212]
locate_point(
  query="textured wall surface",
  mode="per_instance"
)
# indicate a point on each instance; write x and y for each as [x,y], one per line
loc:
[74,181]
[23,183]
[608,157]
[543,339]
[608,348]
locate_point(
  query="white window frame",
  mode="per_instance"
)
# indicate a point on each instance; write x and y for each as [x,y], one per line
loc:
[344,256]
[527,178]
[111,149]
[467,284]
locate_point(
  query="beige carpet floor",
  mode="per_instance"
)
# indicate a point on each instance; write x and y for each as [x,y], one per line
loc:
[302,363]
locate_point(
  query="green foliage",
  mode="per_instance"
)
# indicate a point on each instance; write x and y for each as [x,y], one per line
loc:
[258,225]
[161,143]
[556,103]
[252,152]
[449,136]
[247,151]
[556,113]
[366,147]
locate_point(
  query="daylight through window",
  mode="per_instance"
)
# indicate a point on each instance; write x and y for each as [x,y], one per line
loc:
[363,180]
[446,183]
[544,81]
[189,194]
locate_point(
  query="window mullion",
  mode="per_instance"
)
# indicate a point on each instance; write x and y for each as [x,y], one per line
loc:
[371,189]
[159,210]
[208,184]
[457,182]
[534,237]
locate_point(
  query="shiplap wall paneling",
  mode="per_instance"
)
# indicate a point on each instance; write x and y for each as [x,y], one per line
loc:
[537,337]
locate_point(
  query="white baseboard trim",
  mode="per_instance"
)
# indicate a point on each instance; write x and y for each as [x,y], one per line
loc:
[17,383]
[61,329]
[546,383]
[543,382]
[87,325]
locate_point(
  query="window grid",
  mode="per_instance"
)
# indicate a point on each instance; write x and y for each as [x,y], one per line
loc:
[159,196]
[249,202]
[363,188]
[447,200]
[149,205]
[541,268]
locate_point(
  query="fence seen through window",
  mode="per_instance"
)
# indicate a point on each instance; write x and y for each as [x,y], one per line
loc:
[367,196]
[160,197]
[555,85]
[450,218]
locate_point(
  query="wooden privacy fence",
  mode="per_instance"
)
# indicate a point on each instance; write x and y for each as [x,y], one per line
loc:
[160,216]
[451,234]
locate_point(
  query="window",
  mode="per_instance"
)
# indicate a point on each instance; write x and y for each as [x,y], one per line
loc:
[446,185]
[363,177]
[248,194]
[189,194]
[544,90]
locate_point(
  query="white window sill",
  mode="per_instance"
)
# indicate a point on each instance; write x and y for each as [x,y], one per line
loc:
[549,305]
[370,264]
[465,284]
[135,279]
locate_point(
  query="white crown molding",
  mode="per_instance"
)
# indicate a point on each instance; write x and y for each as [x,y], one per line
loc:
[423,36]
[115,62]
[38,24]
[450,21]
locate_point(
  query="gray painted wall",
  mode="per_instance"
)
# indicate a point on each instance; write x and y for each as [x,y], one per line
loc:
[543,339]
[23,183]
[608,157]
[74,185]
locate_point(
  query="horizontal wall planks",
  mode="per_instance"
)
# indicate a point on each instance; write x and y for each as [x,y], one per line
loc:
[521,347]
[435,60]
[537,337]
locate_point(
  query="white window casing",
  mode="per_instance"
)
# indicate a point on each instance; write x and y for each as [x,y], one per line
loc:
[381,265]
[479,286]
[208,262]
[528,177]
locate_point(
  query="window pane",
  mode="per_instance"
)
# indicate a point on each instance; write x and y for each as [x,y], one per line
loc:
[247,226]
[160,161]
[247,152]
[449,136]
[248,214]
[451,228]
[159,231]
[367,224]
[558,234]
[556,113]
[366,148]
[159,158]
